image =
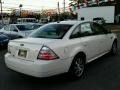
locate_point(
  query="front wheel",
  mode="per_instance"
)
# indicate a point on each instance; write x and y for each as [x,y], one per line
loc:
[77,67]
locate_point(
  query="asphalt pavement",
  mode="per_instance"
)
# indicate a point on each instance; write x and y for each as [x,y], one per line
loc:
[101,74]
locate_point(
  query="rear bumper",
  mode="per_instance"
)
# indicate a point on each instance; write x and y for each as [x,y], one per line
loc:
[37,68]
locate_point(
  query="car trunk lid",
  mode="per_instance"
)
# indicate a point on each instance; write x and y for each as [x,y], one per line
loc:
[28,48]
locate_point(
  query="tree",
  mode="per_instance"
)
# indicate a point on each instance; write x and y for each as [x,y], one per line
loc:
[117,6]
[75,3]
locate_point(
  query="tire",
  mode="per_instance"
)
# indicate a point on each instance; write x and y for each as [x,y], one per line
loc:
[77,66]
[20,37]
[114,48]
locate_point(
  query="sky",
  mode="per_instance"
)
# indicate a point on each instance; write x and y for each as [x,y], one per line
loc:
[32,4]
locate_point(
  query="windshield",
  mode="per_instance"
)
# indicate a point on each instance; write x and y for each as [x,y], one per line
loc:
[53,31]
[27,27]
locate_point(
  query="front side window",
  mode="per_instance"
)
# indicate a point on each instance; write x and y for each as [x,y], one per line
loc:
[52,31]
[98,29]
[86,29]
[26,27]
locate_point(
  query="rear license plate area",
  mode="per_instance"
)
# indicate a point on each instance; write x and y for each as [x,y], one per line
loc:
[22,53]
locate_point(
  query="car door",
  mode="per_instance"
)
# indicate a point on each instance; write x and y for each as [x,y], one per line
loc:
[14,32]
[104,38]
[91,41]
[6,30]
[24,30]
[84,38]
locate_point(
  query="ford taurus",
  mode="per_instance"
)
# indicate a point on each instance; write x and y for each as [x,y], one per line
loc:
[60,47]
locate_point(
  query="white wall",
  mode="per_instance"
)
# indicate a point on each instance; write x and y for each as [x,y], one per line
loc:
[107,12]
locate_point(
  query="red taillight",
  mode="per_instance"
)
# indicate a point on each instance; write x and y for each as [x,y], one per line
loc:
[47,54]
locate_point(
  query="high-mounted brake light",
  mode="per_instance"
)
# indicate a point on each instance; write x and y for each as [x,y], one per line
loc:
[47,54]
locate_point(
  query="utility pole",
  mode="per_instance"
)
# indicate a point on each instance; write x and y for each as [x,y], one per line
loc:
[1,13]
[64,5]
[20,6]
[58,12]
[58,8]
[64,8]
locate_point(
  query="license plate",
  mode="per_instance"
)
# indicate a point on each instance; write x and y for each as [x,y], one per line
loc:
[22,53]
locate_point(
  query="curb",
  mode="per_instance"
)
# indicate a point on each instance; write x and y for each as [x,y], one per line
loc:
[115,31]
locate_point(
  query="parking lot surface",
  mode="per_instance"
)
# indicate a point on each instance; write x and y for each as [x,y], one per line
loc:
[101,74]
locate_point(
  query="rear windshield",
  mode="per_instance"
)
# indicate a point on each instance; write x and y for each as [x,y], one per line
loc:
[27,27]
[52,31]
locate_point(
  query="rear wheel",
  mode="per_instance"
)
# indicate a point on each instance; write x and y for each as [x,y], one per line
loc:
[114,48]
[77,67]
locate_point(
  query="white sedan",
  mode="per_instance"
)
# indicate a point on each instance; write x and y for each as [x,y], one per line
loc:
[60,47]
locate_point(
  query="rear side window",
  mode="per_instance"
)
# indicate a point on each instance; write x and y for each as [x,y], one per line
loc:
[25,27]
[75,33]
[52,31]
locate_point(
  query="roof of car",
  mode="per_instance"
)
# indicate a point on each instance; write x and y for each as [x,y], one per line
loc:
[26,24]
[69,22]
